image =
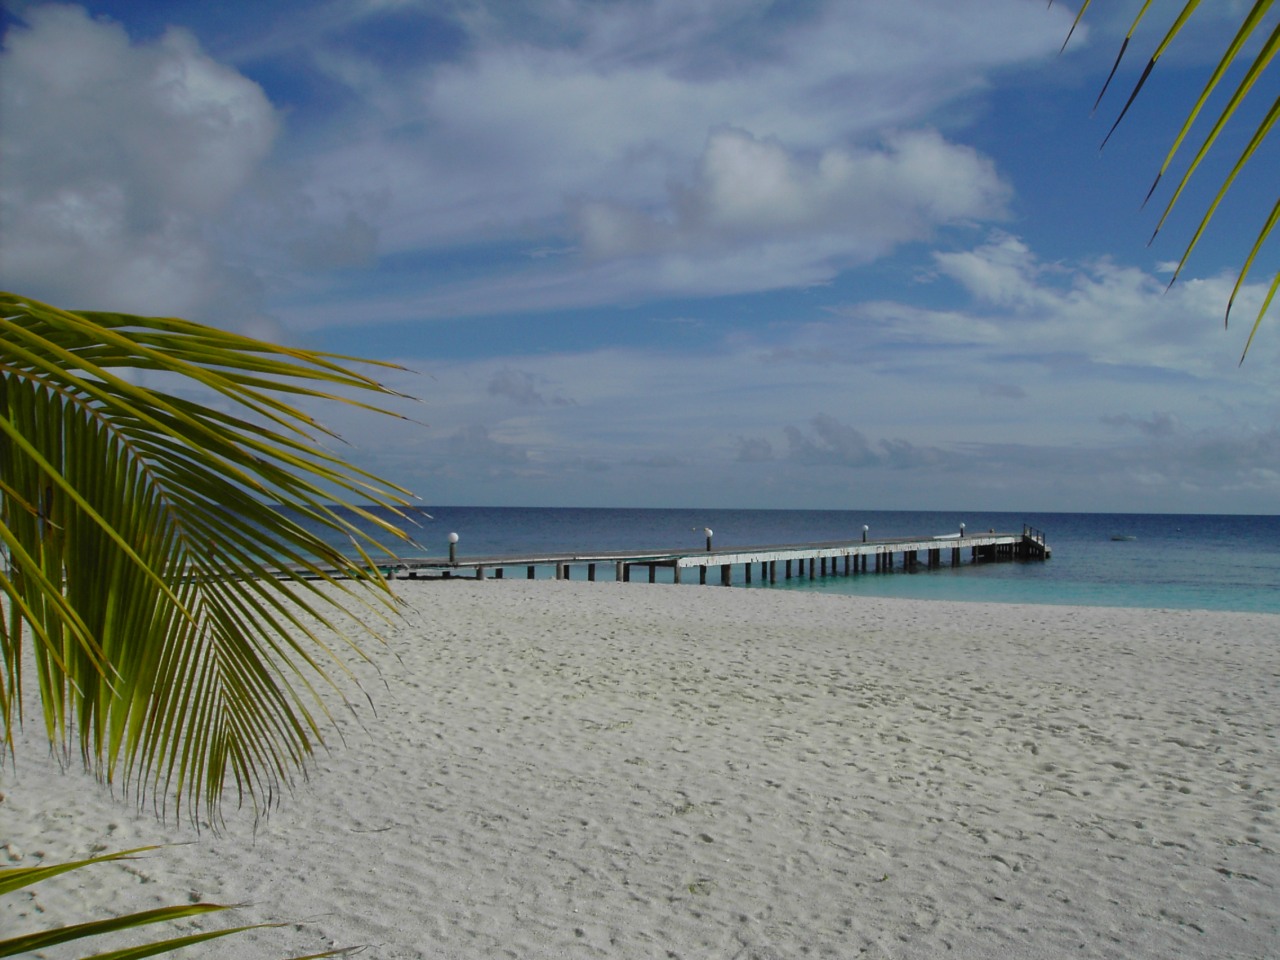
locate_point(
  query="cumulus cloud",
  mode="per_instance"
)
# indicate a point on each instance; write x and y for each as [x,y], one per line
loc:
[668,147]
[1096,313]
[757,215]
[1047,384]
[831,442]
[474,443]
[1002,271]
[1002,391]
[753,450]
[1223,460]
[853,204]
[659,147]
[117,158]
[657,462]
[1085,382]
[522,387]
[898,427]
[1157,426]
[351,241]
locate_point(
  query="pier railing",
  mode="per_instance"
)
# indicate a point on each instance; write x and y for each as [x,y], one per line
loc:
[772,562]
[1033,543]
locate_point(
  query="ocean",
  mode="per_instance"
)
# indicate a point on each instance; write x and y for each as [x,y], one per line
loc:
[1172,561]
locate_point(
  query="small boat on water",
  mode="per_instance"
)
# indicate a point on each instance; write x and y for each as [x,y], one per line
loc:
[1123,536]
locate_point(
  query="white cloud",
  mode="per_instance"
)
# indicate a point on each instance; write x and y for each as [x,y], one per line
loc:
[1101,312]
[753,450]
[575,153]
[708,148]
[756,216]
[749,192]
[523,388]
[146,175]
[473,443]
[1002,272]
[1157,426]
[1058,387]
[117,160]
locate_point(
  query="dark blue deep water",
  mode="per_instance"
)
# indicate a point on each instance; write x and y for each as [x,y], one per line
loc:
[1182,561]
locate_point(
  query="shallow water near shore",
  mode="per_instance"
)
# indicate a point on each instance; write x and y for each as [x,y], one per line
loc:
[1175,561]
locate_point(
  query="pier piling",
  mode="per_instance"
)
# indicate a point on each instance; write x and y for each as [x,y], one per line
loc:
[805,560]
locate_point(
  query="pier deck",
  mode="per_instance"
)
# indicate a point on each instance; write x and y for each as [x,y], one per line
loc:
[828,558]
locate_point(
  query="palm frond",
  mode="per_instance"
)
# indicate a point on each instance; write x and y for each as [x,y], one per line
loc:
[172,609]
[1252,21]
[14,878]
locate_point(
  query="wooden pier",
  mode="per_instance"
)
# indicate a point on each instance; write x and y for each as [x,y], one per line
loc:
[770,563]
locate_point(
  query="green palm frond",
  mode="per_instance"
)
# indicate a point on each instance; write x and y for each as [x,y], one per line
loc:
[17,878]
[1251,25]
[169,606]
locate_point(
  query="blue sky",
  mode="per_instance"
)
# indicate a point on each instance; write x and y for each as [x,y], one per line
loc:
[671,253]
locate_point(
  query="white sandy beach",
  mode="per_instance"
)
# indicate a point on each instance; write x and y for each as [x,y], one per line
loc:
[561,769]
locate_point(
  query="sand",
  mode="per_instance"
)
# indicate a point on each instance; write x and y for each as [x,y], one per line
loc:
[560,769]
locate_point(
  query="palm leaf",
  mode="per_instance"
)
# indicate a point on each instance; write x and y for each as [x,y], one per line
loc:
[30,942]
[16,878]
[1173,31]
[166,601]
[1264,128]
[1252,20]
[1260,63]
[1275,281]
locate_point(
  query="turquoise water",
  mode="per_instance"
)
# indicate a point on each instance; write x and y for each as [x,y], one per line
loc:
[1179,561]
